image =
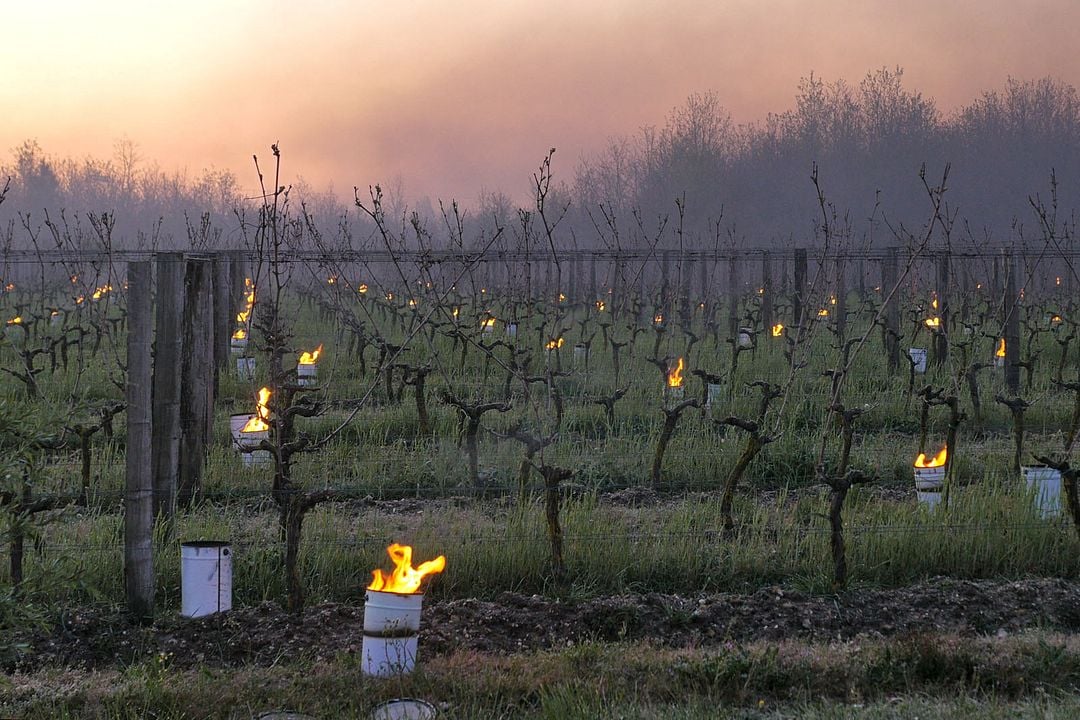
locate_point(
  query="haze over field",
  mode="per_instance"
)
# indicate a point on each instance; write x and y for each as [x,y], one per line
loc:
[437,100]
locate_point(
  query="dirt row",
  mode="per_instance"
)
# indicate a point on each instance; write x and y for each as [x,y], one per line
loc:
[265,634]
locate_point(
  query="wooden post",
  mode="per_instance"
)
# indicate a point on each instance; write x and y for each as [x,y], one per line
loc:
[840,314]
[892,309]
[733,299]
[798,299]
[1012,324]
[223,313]
[168,350]
[139,480]
[196,378]
[941,338]
[766,293]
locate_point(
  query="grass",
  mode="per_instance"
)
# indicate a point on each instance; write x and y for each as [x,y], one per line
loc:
[1031,675]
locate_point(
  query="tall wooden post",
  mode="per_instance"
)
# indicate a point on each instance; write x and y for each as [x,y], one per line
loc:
[941,338]
[1012,324]
[766,292]
[139,479]
[892,309]
[798,297]
[196,378]
[223,313]
[168,351]
[840,308]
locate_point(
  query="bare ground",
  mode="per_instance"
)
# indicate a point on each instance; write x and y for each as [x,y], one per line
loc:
[266,634]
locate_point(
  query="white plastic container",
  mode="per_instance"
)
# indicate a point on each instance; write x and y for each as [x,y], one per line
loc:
[745,337]
[306,374]
[247,443]
[1044,484]
[918,356]
[238,346]
[579,354]
[511,329]
[674,394]
[391,625]
[205,577]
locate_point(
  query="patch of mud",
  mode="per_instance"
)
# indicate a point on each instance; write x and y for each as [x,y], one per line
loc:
[265,634]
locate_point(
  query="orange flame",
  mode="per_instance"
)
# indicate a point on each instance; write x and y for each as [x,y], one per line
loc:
[405,579]
[777,329]
[562,297]
[257,422]
[101,292]
[936,461]
[554,344]
[240,334]
[934,302]
[1057,281]
[600,305]
[9,287]
[310,358]
[362,289]
[487,322]
[674,376]
[1055,319]
[17,320]
[1001,349]
[823,313]
[933,322]
[658,319]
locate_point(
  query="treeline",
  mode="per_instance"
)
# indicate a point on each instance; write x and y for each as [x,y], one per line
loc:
[732,184]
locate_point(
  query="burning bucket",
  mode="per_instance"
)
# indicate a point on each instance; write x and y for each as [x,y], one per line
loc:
[205,577]
[306,374]
[918,359]
[392,614]
[239,342]
[1044,484]
[391,626]
[930,477]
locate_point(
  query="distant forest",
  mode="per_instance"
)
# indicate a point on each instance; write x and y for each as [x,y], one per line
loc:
[736,184]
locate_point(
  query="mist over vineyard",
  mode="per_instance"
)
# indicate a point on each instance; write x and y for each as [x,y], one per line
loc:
[739,184]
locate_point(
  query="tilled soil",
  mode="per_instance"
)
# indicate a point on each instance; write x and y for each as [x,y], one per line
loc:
[266,634]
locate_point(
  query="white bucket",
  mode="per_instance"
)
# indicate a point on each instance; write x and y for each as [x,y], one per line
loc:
[745,337]
[1044,483]
[579,354]
[999,361]
[247,443]
[205,578]
[56,320]
[928,485]
[712,394]
[918,356]
[674,394]
[511,329]
[404,709]
[245,367]
[391,624]
[238,345]
[306,374]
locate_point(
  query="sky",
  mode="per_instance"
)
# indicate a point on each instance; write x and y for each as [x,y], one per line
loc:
[451,99]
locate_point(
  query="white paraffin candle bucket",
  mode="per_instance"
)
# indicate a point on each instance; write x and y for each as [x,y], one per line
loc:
[238,346]
[511,329]
[247,443]
[745,337]
[918,357]
[928,485]
[674,393]
[579,354]
[712,394]
[245,367]
[205,577]
[1044,483]
[306,374]
[391,626]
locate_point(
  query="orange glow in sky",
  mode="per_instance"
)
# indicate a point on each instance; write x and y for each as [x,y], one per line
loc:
[453,98]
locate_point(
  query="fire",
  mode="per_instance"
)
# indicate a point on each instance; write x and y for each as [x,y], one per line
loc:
[457,311]
[412,302]
[390,296]
[9,287]
[658,319]
[362,289]
[933,322]
[17,320]
[310,358]
[1055,319]
[936,461]
[486,323]
[1057,281]
[249,302]
[674,376]
[405,579]
[1001,349]
[934,302]
[823,313]
[562,297]
[332,280]
[600,305]
[240,334]
[257,422]
[555,344]
[777,329]
[74,279]
[101,292]
[832,299]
